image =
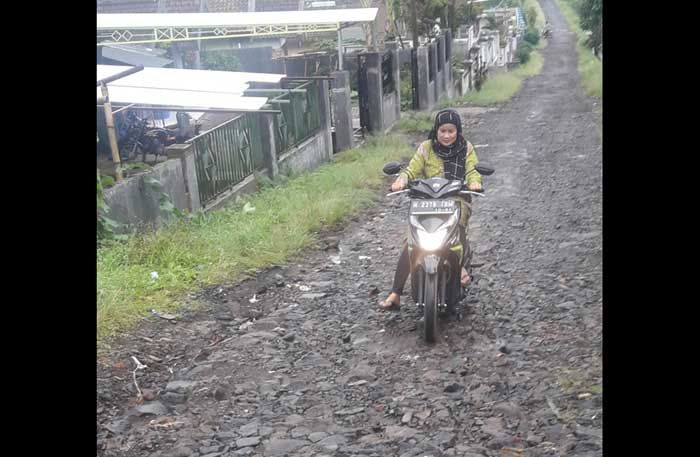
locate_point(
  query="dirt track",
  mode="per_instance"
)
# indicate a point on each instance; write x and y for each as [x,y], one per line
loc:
[312,368]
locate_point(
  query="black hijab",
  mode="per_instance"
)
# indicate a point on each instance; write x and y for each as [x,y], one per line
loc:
[454,156]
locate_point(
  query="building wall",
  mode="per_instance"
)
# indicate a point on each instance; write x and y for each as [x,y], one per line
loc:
[307,156]
[134,202]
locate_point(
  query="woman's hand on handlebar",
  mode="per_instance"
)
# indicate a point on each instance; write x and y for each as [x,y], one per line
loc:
[399,184]
[475,186]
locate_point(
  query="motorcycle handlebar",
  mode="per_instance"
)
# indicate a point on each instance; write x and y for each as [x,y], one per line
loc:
[468,192]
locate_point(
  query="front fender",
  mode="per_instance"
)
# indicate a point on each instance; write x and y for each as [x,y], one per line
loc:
[430,263]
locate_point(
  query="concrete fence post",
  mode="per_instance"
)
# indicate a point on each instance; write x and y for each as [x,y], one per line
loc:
[440,79]
[267,141]
[468,68]
[449,83]
[324,109]
[424,99]
[185,152]
[375,95]
[342,110]
[396,74]
[435,94]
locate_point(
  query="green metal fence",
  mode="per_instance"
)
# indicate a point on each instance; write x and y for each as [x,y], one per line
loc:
[225,155]
[299,118]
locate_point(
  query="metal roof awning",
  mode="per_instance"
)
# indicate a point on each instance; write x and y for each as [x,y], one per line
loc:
[183,99]
[136,55]
[149,27]
[195,80]
[109,71]
[180,88]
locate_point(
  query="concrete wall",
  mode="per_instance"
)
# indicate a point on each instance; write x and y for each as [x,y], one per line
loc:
[391,106]
[307,156]
[404,57]
[513,45]
[133,202]
[463,84]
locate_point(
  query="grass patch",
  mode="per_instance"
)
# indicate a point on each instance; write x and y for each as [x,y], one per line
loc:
[413,121]
[496,89]
[502,86]
[222,245]
[531,68]
[589,66]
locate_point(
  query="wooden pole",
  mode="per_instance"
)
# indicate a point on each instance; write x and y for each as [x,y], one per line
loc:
[120,75]
[111,133]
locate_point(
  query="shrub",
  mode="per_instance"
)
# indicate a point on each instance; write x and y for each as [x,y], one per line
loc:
[532,36]
[523,52]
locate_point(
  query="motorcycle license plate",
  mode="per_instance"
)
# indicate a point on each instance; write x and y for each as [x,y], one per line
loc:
[432,206]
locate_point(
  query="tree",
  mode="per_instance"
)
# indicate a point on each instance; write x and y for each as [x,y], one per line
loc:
[591,14]
[467,12]
[421,15]
[221,60]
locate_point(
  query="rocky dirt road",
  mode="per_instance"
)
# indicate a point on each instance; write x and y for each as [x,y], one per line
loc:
[311,368]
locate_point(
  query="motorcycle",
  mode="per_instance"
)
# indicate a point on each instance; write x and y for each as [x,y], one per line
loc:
[140,139]
[547,31]
[437,245]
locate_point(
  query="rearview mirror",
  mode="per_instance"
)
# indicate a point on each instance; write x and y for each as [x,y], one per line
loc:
[392,168]
[485,169]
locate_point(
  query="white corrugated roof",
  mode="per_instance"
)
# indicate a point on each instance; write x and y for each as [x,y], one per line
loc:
[195,80]
[185,88]
[154,20]
[182,98]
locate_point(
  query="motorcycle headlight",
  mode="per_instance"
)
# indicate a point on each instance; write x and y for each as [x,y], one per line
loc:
[431,241]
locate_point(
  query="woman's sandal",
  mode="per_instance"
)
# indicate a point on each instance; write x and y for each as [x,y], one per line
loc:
[386,305]
[465,279]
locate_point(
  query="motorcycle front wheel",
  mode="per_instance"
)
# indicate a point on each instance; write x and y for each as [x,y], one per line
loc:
[430,308]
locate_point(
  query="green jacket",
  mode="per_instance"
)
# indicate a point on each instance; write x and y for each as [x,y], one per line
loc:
[426,164]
